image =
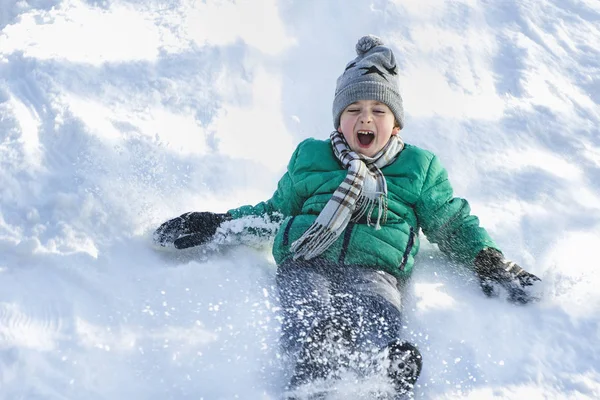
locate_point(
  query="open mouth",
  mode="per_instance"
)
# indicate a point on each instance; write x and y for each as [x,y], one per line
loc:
[365,138]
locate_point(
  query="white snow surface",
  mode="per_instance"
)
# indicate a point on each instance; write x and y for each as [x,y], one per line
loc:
[116,115]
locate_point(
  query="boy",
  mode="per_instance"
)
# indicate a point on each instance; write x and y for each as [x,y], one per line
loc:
[353,206]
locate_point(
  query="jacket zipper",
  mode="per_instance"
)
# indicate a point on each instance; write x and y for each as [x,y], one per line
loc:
[286,232]
[346,242]
[409,245]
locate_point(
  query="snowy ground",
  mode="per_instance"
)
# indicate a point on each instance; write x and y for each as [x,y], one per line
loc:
[116,115]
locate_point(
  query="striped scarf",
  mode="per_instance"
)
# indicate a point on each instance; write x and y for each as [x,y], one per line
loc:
[363,189]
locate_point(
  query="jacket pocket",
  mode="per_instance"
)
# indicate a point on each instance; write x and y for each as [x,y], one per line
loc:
[409,246]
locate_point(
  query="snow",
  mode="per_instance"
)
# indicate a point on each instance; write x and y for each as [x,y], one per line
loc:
[117,115]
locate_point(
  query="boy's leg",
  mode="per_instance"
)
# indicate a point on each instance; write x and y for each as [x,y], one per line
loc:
[304,294]
[310,337]
[371,302]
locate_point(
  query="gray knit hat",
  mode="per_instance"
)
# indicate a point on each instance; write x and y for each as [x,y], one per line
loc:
[373,75]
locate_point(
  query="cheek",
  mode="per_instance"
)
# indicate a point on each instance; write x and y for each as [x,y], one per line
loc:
[347,137]
[345,126]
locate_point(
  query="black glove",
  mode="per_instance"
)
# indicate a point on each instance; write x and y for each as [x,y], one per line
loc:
[189,229]
[493,270]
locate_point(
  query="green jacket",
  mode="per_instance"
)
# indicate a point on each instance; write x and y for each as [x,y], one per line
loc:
[419,197]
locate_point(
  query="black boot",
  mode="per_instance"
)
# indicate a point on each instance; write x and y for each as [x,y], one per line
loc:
[405,365]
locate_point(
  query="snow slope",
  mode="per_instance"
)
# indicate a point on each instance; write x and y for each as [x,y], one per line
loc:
[117,115]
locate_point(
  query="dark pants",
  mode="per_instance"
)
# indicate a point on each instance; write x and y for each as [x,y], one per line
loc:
[366,300]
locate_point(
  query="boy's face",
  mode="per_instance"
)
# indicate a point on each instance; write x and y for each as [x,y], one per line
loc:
[367,126]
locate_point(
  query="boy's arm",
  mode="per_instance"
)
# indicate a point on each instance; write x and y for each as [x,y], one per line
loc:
[447,221]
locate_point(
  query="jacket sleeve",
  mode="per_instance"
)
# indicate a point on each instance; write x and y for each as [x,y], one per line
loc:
[446,220]
[284,201]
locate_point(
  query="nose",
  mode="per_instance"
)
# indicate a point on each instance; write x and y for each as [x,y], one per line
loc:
[366,117]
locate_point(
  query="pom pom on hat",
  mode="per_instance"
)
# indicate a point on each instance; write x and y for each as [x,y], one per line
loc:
[366,43]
